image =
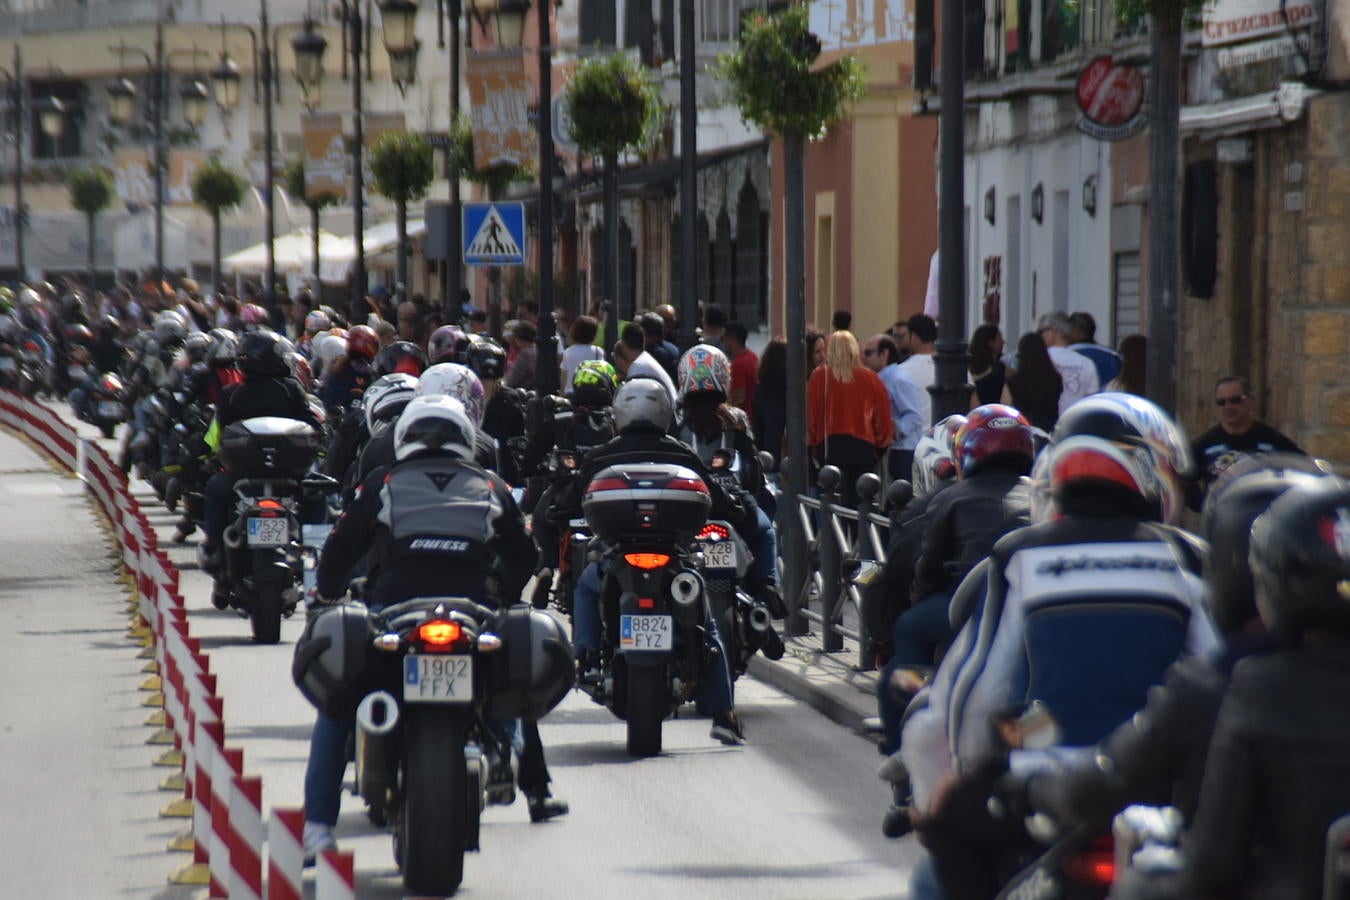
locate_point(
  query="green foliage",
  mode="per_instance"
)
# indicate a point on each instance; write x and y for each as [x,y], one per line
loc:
[771,79]
[91,189]
[613,106]
[495,178]
[1172,10]
[216,187]
[295,186]
[403,165]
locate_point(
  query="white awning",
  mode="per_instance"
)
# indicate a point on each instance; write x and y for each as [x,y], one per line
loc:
[293,254]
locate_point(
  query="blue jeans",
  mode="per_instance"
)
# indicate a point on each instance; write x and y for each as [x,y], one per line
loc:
[714,682]
[763,543]
[923,880]
[917,633]
[326,768]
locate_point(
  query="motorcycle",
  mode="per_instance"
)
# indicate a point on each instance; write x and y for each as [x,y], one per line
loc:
[105,407]
[573,541]
[433,675]
[262,562]
[652,604]
[31,375]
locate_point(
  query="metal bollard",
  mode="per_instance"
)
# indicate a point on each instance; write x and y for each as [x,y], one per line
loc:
[831,560]
[869,486]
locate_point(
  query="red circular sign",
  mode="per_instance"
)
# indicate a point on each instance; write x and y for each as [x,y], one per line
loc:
[1109,94]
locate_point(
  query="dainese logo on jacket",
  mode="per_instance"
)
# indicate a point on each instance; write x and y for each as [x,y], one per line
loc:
[440,545]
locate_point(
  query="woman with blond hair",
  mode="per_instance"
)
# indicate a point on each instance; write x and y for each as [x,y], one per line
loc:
[848,414]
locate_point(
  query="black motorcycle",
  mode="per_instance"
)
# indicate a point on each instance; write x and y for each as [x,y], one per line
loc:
[439,679]
[105,406]
[262,559]
[652,605]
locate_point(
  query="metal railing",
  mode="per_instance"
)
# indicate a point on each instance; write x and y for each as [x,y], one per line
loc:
[837,536]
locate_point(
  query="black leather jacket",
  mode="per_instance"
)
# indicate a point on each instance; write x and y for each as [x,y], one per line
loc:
[964,523]
[1277,776]
[255,397]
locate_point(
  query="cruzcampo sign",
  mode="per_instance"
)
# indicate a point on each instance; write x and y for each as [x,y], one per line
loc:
[1111,99]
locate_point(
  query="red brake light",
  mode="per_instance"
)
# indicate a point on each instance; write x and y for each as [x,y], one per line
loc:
[270,508]
[646,603]
[607,484]
[713,531]
[439,633]
[687,484]
[647,560]
[1095,868]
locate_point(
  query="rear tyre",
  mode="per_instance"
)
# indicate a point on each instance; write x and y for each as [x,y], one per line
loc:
[434,797]
[107,429]
[266,613]
[646,709]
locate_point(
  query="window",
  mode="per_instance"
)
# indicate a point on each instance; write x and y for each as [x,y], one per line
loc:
[1126,315]
[599,24]
[719,21]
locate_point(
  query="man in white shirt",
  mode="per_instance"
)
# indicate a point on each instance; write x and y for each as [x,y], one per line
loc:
[1076,370]
[882,356]
[633,361]
[919,366]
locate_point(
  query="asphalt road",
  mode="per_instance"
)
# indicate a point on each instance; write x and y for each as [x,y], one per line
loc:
[792,814]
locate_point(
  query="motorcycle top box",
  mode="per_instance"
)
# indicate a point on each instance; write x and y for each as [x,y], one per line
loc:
[646,500]
[269,445]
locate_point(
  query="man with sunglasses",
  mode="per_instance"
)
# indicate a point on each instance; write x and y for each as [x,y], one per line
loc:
[1237,435]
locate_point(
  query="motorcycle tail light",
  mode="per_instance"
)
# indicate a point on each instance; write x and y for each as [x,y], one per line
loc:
[713,532]
[608,484]
[439,633]
[647,560]
[646,603]
[687,484]
[271,509]
[30,347]
[1095,867]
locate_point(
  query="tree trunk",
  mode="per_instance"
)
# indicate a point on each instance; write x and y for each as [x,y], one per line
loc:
[314,237]
[794,463]
[402,250]
[215,248]
[93,272]
[1163,213]
[611,203]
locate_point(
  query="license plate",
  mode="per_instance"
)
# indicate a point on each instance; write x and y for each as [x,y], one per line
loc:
[431,678]
[109,409]
[721,555]
[8,364]
[265,531]
[638,634]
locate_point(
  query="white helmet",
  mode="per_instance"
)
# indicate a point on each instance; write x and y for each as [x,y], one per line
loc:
[642,404]
[331,350]
[455,380]
[435,425]
[386,397]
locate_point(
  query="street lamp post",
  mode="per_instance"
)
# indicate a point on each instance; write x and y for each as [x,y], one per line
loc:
[688,179]
[17,96]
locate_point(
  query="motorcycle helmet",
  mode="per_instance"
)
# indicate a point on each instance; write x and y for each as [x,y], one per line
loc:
[1122,446]
[252,315]
[704,368]
[642,405]
[993,435]
[300,369]
[329,352]
[1232,504]
[79,334]
[455,380]
[109,327]
[386,398]
[6,299]
[594,384]
[1300,557]
[933,460]
[486,357]
[317,321]
[170,329]
[263,353]
[435,425]
[28,298]
[195,348]
[444,343]
[362,343]
[400,356]
[224,349]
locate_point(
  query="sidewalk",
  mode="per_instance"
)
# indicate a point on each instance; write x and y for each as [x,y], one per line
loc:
[830,683]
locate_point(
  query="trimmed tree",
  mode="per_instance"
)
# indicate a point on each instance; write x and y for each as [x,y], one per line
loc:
[295,186]
[91,192]
[217,188]
[614,109]
[771,81]
[403,166]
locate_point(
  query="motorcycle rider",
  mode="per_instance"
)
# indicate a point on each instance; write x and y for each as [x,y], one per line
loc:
[643,416]
[106,354]
[351,433]
[1082,613]
[419,538]
[1276,776]
[345,382]
[708,424]
[504,412]
[268,389]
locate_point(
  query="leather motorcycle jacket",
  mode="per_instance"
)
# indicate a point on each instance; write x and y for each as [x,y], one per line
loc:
[963,524]
[283,397]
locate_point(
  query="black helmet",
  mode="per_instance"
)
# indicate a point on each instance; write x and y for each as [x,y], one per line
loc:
[263,352]
[486,357]
[1300,558]
[400,356]
[1233,503]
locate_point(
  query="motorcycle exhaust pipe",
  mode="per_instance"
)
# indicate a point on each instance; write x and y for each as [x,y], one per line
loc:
[759,618]
[686,588]
[233,538]
[378,713]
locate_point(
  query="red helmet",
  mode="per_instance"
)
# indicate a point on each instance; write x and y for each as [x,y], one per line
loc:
[362,343]
[993,434]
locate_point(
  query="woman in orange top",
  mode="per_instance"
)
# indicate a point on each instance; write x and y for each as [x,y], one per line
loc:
[848,414]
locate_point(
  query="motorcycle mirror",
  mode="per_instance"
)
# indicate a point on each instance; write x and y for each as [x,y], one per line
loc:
[861,572]
[721,459]
[766,461]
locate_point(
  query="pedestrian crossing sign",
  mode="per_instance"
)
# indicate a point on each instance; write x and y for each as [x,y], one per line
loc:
[494,234]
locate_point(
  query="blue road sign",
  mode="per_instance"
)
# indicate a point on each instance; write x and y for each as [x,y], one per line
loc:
[494,234]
